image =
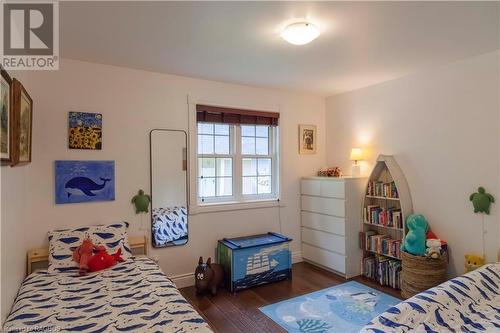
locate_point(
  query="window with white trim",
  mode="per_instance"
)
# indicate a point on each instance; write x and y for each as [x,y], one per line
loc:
[236,162]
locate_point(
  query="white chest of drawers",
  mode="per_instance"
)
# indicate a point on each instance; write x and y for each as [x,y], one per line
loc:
[331,221]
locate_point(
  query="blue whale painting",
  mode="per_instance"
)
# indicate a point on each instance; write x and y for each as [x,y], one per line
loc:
[83,181]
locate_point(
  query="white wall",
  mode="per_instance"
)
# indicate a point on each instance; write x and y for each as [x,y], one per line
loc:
[13,219]
[13,241]
[442,125]
[132,103]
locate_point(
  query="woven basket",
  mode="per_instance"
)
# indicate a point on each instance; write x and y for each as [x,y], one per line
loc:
[421,273]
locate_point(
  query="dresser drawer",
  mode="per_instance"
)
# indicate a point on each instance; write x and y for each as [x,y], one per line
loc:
[324,240]
[329,206]
[310,187]
[325,258]
[332,224]
[333,189]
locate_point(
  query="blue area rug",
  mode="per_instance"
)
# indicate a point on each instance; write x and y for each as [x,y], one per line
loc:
[343,308]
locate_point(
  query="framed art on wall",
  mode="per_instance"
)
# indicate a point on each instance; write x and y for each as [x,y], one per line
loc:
[6,118]
[22,116]
[307,139]
[85,130]
[84,181]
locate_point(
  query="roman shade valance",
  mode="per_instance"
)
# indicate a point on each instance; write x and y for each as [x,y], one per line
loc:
[217,114]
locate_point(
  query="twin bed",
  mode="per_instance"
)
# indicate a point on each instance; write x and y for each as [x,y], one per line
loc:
[467,303]
[132,296]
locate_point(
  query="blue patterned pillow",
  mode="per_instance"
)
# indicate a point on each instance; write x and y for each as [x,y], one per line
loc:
[63,242]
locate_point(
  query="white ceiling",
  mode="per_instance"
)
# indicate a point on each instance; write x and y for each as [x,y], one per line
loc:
[361,43]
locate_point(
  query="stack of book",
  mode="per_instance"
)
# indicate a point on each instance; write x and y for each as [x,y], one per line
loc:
[391,247]
[386,271]
[381,189]
[388,217]
[380,244]
[369,267]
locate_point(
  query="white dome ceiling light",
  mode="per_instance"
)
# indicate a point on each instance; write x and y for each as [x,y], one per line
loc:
[300,33]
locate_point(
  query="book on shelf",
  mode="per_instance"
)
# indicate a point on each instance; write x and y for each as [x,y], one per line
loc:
[387,217]
[385,270]
[380,244]
[381,189]
[364,237]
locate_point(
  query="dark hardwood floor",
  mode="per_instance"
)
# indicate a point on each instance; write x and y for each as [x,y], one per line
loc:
[239,312]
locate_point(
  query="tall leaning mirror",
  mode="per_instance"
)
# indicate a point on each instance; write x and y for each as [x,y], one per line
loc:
[169,213]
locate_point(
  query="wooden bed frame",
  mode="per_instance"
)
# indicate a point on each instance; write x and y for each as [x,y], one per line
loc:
[138,246]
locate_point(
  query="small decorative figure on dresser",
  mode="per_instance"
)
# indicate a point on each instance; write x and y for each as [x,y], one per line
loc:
[330,172]
[208,276]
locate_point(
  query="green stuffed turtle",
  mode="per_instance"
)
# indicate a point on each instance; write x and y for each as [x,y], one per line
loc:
[481,201]
[141,202]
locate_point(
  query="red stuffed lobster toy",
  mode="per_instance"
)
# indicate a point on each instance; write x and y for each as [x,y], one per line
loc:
[90,262]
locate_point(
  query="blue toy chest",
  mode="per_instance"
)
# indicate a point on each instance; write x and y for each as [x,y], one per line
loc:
[255,260]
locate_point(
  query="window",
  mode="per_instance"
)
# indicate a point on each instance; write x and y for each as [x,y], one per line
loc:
[215,163]
[237,162]
[256,160]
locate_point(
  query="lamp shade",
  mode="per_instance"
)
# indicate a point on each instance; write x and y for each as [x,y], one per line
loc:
[356,154]
[300,33]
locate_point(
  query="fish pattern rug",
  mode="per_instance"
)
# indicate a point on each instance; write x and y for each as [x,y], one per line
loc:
[343,308]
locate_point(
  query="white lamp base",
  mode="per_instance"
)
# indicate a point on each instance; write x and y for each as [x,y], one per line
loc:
[356,170]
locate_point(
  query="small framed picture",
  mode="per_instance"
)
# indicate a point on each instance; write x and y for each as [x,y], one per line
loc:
[6,118]
[307,139]
[22,116]
[85,130]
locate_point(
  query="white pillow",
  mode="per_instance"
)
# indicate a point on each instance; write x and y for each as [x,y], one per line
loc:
[63,242]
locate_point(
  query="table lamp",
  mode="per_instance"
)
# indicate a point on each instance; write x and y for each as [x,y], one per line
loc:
[356,155]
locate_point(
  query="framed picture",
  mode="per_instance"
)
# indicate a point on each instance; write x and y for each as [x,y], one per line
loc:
[84,181]
[85,130]
[307,139]
[22,116]
[6,118]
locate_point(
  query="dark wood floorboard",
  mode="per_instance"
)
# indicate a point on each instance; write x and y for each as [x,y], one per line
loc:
[239,313]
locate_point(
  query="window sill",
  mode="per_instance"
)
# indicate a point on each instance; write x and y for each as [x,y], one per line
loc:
[235,205]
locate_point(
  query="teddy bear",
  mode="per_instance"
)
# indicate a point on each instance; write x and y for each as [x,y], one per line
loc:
[472,262]
[414,241]
[433,248]
[82,255]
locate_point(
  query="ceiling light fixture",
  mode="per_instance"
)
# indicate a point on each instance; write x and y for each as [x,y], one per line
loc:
[300,33]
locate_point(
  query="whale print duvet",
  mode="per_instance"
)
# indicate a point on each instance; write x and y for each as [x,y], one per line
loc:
[468,303]
[170,226]
[133,296]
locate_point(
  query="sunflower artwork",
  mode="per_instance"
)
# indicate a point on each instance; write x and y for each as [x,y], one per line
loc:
[85,130]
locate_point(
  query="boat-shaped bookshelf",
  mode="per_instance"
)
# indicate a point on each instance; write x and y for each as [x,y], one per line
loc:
[386,205]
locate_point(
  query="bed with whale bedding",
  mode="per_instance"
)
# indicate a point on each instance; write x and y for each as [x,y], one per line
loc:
[468,303]
[133,296]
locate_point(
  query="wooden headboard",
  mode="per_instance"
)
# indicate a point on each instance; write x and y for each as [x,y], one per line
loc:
[138,246]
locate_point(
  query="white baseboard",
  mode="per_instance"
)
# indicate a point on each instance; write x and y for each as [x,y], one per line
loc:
[297,257]
[183,280]
[187,279]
